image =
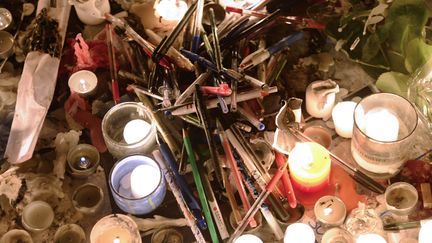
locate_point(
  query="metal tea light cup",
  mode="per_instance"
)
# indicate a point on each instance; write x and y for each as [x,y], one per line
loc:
[383,125]
[122,184]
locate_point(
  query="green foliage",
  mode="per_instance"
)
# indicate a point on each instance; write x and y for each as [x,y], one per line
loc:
[390,39]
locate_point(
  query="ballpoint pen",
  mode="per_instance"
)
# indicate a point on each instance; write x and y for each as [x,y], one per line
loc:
[167,42]
[251,118]
[212,103]
[196,32]
[257,83]
[112,63]
[179,198]
[202,114]
[184,188]
[137,89]
[174,55]
[299,21]
[225,42]
[405,225]
[200,187]
[257,204]
[147,47]
[191,88]
[261,55]
[286,182]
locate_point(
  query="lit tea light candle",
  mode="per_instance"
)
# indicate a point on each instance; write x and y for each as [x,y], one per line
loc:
[381,125]
[171,10]
[343,118]
[83,160]
[425,235]
[70,233]
[136,130]
[309,165]
[116,228]
[299,233]
[37,216]
[370,237]
[248,238]
[16,235]
[330,210]
[83,82]
[144,180]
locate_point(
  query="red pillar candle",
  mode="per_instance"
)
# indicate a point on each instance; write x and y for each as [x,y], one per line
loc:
[309,165]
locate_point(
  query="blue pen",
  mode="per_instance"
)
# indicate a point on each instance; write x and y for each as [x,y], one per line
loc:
[196,35]
[261,55]
[192,202]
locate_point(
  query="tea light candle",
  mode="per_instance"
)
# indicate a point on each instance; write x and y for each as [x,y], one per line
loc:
[309,165]
[343,118]
[299,233]
[37,216]
[136,130]
[248,238]
[171,10]
[83,82]
[381,125]
[401,198]
[144,179]
[330,210]
[70,233]
[16,235]
[370,237]
[425,235]
[83,160]
[116,228]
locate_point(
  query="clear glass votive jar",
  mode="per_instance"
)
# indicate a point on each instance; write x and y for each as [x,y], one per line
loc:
[137,184]
[88,198]
[37,216]
[83,160]
[128,129]
[383,125]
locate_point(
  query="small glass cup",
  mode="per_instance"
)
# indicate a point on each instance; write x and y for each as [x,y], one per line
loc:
[88,198]
[83,160]
[128,129]
[383,125]
[5,18]
[401,198]
[70,233]
[37,216]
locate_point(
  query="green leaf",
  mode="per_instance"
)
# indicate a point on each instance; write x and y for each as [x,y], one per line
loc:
[417,53]
[393,82]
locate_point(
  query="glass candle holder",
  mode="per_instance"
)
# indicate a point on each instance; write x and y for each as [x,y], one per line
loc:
[383,125]
[309,165]
[83,82]
[6,44]
[128,129]
[115,228]
[70,233]
[83,160]
[16,235]
[37,216]
[401,198]
[87,198]
[5,18]
[137,184]
[337,235]
[299,233]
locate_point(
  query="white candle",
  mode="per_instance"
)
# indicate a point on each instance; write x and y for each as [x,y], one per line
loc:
[299,233]
[381,125]
[83,82]
[425,235]
[115,228]
[248,238]
[171,10]
[370,237]
[136,130]
[144,180]
[343,118]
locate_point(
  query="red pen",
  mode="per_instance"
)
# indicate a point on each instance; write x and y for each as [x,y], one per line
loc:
[286,182]
[112,62]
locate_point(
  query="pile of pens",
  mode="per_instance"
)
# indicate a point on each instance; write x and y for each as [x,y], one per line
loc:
[220,93]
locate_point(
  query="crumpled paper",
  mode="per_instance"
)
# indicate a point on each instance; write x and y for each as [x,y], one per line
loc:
[35,91]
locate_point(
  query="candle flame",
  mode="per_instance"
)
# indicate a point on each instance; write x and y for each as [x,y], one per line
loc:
[116,240]
[171,10]
[328,211]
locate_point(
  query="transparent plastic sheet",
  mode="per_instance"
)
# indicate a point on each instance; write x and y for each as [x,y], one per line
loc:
[35,91]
